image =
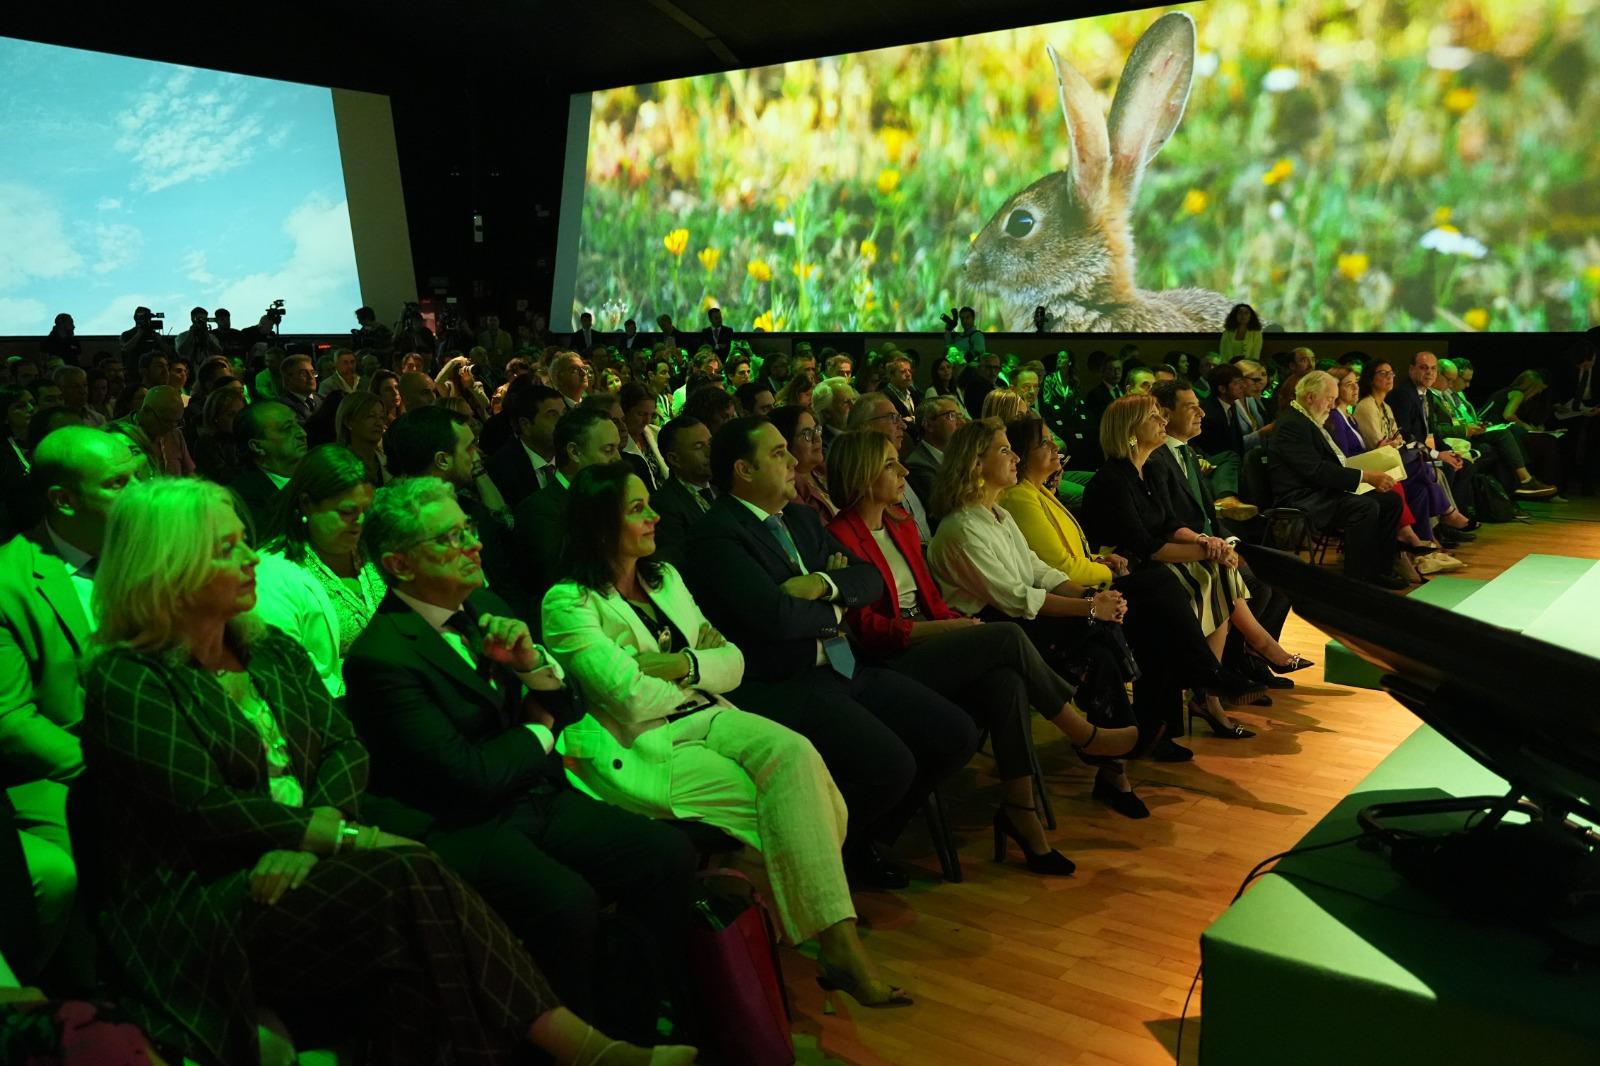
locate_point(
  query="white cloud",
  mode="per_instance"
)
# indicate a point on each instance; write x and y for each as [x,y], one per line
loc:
[24,316]
[117,245]
[174,135]
[108,203]
[320,270]
[33,238]
[117,314]
[195,268]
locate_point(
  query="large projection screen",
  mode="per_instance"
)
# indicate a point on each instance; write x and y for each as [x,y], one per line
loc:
[130,182]
[1409,165]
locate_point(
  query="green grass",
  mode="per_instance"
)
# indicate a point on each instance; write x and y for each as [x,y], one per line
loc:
[1374,149]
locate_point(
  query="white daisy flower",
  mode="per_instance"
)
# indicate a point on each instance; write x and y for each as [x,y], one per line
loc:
[1281,80]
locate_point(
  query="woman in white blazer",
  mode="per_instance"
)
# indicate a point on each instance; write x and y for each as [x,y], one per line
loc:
[662,740]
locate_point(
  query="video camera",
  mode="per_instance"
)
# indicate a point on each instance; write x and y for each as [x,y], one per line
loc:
[275,312]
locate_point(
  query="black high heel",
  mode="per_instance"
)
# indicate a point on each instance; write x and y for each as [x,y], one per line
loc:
[1051,863]
[1197,708]
[1295,662]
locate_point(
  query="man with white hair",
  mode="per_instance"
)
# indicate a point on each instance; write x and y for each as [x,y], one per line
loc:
[831,403]
[1307,472]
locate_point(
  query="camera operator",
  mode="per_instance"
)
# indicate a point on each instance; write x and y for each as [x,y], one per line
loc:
[62,343]
[232,340]
[198,342]
[372,333]
[412,333]
[142,340]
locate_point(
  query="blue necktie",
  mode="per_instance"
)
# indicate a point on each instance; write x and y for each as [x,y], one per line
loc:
[837,649]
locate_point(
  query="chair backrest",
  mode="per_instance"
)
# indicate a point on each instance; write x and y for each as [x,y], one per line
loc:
[1255,485]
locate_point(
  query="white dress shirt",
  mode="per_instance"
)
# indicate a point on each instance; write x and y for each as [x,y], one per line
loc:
[80,568]
[833,590]
[980,558]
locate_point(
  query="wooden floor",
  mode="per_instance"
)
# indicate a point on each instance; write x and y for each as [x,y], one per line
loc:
[1012,968]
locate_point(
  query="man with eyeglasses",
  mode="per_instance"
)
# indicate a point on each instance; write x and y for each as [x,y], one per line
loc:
[156,430]
[460,711]
[570,376]
[939,418]
[874,411]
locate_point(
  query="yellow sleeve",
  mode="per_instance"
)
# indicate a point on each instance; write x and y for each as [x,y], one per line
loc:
[1028,509]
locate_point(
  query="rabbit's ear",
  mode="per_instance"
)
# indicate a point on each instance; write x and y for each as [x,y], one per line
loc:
[1086,131]
[1151,97]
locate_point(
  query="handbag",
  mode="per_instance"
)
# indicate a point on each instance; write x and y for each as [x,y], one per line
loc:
[733,954]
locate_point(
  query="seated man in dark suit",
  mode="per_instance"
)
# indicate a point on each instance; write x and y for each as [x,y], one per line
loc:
[526,463]
[584,436]
[46,578]
[271,443]
[459,710]
[763,567]
[1306,472]
[685,444]
[436,442]
[1412,415]
[939,418]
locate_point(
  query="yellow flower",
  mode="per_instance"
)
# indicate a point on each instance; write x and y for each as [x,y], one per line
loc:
[1591,274]
[759,270]
[676,241]
[1477,318]
[1459,101]
[766,322]
[803,271]
[1447,228]
[1194,202]
[1280,170]
[894,142]
[1441,215]
[1353,265]
[888,180]
[869,250]
[709,302]
[709,257]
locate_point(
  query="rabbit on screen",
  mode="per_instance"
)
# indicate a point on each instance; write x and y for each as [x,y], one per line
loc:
[1065,242]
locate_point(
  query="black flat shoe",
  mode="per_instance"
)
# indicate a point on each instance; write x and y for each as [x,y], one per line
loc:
[1219,729]
[1171,751]
[868,868]
[1050,863]
[1124,803]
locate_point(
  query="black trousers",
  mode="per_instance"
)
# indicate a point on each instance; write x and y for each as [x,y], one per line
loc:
[552,862]
[994,673]
[1171,650]
[1369,523]
[886,739]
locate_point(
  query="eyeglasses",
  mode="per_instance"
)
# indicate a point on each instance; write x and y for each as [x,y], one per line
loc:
[455,538]
[1384,374]
[810,436]
[886,416]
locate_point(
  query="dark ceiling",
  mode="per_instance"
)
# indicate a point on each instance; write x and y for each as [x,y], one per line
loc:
[564,46]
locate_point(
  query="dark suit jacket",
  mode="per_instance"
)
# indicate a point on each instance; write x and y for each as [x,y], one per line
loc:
[184,813]
[43,638]
[1304,471]
[722,339]
[1411,414]
[921,469]
[734,566]
[263,499]
[540,530]
[1118,511]
[1180,498]
[679,510]
[974,387]
[1218,434]
[443,740]
[512,472]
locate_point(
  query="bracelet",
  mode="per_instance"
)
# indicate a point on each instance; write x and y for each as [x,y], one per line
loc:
[348,833]
[694,668]
[1092,617]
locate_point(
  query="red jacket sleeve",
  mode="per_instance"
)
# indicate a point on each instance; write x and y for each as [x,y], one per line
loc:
[878,626]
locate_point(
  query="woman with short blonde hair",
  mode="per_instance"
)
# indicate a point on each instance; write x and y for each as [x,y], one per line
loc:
[959,482]
[1007,405]
[1118,425]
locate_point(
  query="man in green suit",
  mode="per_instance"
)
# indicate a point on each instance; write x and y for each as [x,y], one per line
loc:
[46,576]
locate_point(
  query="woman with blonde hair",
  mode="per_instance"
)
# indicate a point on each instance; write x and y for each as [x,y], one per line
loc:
[992,671]
[1006,405]
[1124,507]
[225,804]
[359,425]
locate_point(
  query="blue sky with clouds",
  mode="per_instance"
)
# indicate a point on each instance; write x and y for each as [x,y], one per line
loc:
[126,182]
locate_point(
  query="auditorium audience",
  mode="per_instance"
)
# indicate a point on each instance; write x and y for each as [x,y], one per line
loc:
[360,426]
[639,435]
[461,710]
[1504,412]
[385,385]
[416,389]
[803,438]
[797,391]
[992,671]
[761,565]
[216,448]
[711,404]
[831,403]
[1375,421]
[1307,471]
[1005,406]
[686,447]
[73,382]
[526,463]
[344,377]
[297,387]
[156,430]
[584,436]
[315,581]
[874,411]
[271,443]
[661,737]
[1414,421]
[939,417]
[220,765]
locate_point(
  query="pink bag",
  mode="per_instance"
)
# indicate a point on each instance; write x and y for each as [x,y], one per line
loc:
[734,955]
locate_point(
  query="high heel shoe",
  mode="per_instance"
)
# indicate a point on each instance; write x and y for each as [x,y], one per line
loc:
[832,979]
[1144,738]
[1124,803]
[1051,863]
[1198,709]
[1288,666]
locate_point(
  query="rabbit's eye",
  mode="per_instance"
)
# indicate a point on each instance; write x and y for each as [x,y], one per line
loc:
[1019,223]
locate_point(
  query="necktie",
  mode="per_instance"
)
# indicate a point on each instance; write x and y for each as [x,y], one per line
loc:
[466,627]
[836,648]
[701,497]
[1191,470]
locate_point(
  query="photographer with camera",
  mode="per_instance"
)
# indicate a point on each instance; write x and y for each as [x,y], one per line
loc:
[144,339]
[62,342]
[265,331]
[963,335]
[197,342]
[232,340]
[371,333]
[412,333]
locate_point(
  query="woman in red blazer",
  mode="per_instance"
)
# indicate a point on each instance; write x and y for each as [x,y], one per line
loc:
[990,669]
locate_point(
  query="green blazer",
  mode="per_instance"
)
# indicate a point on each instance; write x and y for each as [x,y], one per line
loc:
[43,636]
